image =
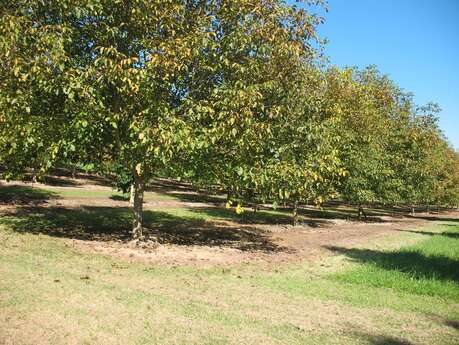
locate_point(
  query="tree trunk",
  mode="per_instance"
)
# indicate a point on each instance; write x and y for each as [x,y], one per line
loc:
[361,212]
[427,209]
[34,177]
[137,226]
[131,196]
[413,213]
[229,195]
[295,213]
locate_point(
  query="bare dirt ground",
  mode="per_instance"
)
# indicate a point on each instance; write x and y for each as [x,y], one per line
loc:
[256,243]
[295,245]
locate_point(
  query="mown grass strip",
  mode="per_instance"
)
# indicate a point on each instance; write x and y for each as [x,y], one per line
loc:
[430,267]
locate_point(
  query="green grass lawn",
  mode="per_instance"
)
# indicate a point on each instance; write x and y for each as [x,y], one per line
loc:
[52,293]
[429,268]
[35,193]
[112,194]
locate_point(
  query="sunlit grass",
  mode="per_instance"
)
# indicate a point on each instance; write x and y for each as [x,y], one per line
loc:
[52,292]
[430,267]
[46,282]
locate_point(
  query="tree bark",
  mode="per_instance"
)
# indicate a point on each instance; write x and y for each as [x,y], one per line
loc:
[137,226]
[295,213]
[229,195]
[361,212]
[131,195]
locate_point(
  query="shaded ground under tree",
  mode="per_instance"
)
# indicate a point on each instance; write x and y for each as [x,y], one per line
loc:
[113,224]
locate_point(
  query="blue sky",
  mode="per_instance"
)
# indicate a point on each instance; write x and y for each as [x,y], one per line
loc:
[415,42]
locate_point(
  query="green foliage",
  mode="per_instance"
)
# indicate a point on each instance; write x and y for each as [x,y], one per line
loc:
[363,103]
[143,83]
[123,179]
[393,150]
[224,94]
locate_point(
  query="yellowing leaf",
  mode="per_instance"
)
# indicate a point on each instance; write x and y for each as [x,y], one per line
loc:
[138,169]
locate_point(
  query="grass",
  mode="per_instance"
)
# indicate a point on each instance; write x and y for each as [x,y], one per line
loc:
[428,268]
[400,290]
[112,194]
[416,278]
[178,226]
[53,293]
[100,219]
[24,194]
[11,192]
[265,216]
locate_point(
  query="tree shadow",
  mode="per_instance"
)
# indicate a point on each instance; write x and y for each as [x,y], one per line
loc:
[51,180]
[452,323]
[169,185]
[96,179]
[429,233]
[116,197]
[384,340]
[185,192]
[57,181]
[339,213]
[114,224]
[437,218]
[261,217]
[419,266]
[24,195]
[327,213]
[195,197]
[279,216]
[441,320]
[65,176]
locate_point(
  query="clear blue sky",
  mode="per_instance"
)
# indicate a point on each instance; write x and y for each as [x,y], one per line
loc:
[415,42]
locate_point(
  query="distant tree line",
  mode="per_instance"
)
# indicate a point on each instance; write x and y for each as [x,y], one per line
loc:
[228,93]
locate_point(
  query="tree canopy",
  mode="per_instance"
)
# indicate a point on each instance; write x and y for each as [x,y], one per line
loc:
[222,93]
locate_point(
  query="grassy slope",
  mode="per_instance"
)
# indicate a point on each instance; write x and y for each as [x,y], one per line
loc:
[52,293]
